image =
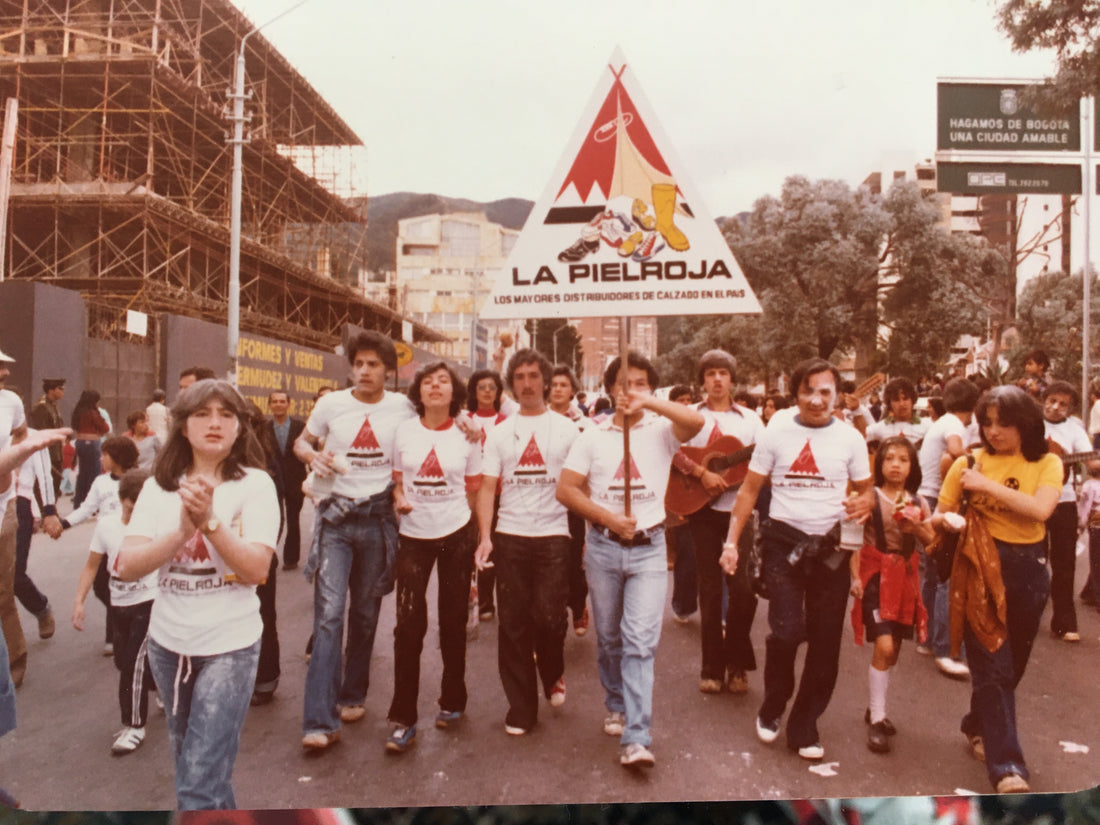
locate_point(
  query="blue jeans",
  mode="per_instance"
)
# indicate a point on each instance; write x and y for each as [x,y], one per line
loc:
[936,596]
[627,587]
[994,675]
[205,701]
[355,549]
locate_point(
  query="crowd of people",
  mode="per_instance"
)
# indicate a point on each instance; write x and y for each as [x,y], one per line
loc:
[532,507]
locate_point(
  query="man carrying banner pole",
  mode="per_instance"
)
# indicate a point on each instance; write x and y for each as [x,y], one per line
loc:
[622,495]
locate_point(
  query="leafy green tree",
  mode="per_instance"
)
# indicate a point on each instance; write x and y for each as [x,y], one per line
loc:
[1049,318]
[1071,30]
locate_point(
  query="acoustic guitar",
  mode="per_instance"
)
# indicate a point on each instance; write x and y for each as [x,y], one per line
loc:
[726,456]
[1070,459]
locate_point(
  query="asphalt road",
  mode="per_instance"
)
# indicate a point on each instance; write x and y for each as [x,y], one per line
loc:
[706,747]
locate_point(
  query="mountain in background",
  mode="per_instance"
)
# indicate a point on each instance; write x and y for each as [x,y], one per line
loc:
[384,211]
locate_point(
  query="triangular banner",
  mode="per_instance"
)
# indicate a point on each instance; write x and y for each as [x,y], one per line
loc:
[620,230]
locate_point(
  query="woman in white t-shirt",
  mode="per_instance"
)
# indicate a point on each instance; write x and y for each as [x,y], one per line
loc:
[208,521]
[437,471]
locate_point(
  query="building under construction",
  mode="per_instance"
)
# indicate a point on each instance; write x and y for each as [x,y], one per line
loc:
[121,172]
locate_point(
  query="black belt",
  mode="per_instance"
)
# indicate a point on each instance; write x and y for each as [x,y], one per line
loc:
[642,537]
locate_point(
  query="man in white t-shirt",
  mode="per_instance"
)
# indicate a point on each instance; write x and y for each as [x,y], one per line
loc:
[811,459]
[354,551]
[945,441]
[530,544]
[726,646]
[13,429]
[1066,436]
[625,559]
[900,395]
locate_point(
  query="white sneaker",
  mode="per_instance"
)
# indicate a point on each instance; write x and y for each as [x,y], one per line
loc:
[128,741]
[952,667]
[924,650]
[636,755]
[614,723]
[812,752]
[766,733]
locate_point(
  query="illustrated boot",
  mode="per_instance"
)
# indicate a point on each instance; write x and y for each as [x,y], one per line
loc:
[664,204]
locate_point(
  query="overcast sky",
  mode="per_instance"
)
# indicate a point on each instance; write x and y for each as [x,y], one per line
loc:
[478,99]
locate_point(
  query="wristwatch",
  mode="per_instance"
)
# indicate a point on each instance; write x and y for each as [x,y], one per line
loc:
[210,527]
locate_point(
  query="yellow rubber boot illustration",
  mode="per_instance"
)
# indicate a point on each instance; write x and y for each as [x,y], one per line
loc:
[664,204]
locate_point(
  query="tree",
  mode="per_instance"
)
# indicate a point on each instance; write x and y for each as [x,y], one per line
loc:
[1049,318]
[1072,31]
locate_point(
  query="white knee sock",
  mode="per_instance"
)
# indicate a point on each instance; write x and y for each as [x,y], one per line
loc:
[879,681]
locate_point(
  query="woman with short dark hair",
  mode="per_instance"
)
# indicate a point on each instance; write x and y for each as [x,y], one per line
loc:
[437,471]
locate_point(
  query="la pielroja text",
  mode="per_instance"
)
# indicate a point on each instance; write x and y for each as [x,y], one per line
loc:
[624,272]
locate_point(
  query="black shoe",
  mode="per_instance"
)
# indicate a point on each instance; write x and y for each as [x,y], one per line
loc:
[578,251]
[291,566]
[887,725]
[261,697]
[878,740]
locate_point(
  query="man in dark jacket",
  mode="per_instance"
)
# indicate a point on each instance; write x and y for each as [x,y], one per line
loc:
[283,431]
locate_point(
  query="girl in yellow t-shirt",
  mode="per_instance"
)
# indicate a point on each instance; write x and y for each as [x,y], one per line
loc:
[1014,484]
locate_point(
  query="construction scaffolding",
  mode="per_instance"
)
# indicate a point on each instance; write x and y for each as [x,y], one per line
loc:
[121,172]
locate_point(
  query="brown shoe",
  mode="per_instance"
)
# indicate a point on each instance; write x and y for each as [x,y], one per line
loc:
[320,740]
[710,685]
[46,624]
[1012,783]
[738,682]
[352,713]
[19,670]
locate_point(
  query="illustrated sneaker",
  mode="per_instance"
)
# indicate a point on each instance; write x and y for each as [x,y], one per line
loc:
[578,251]
[636,755]
[614,723]
[557,693]
[400,739]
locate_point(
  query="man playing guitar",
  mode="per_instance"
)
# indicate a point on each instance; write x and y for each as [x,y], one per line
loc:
[728,652]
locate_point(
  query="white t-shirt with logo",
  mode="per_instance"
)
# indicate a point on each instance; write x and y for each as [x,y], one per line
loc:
[914,430]
[363,434]
[527,453]
[932,449]
[437,468]
[201,608]
[1070,435]
[810,468]
[107,538]
[12,417]
[598,454]
[740,422]
[486,421]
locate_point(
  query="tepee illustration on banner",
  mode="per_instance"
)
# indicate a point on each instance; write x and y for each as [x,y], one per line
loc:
[620,229]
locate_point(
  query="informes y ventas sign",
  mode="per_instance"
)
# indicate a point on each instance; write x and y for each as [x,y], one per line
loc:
[1009,178]
[619,230]
[991,117]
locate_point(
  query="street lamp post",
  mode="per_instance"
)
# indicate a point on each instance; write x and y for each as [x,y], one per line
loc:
[238,96]
[560,329]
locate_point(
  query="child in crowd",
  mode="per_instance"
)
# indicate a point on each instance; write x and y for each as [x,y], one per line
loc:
[131,603]
[118,455]
[885,578]
[1088,517]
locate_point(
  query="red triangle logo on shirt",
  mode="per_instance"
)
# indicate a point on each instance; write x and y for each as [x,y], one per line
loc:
[431,471]
[805,465]
[715,434]
[531,462]
[364,439]
[634,476]
[193,551]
